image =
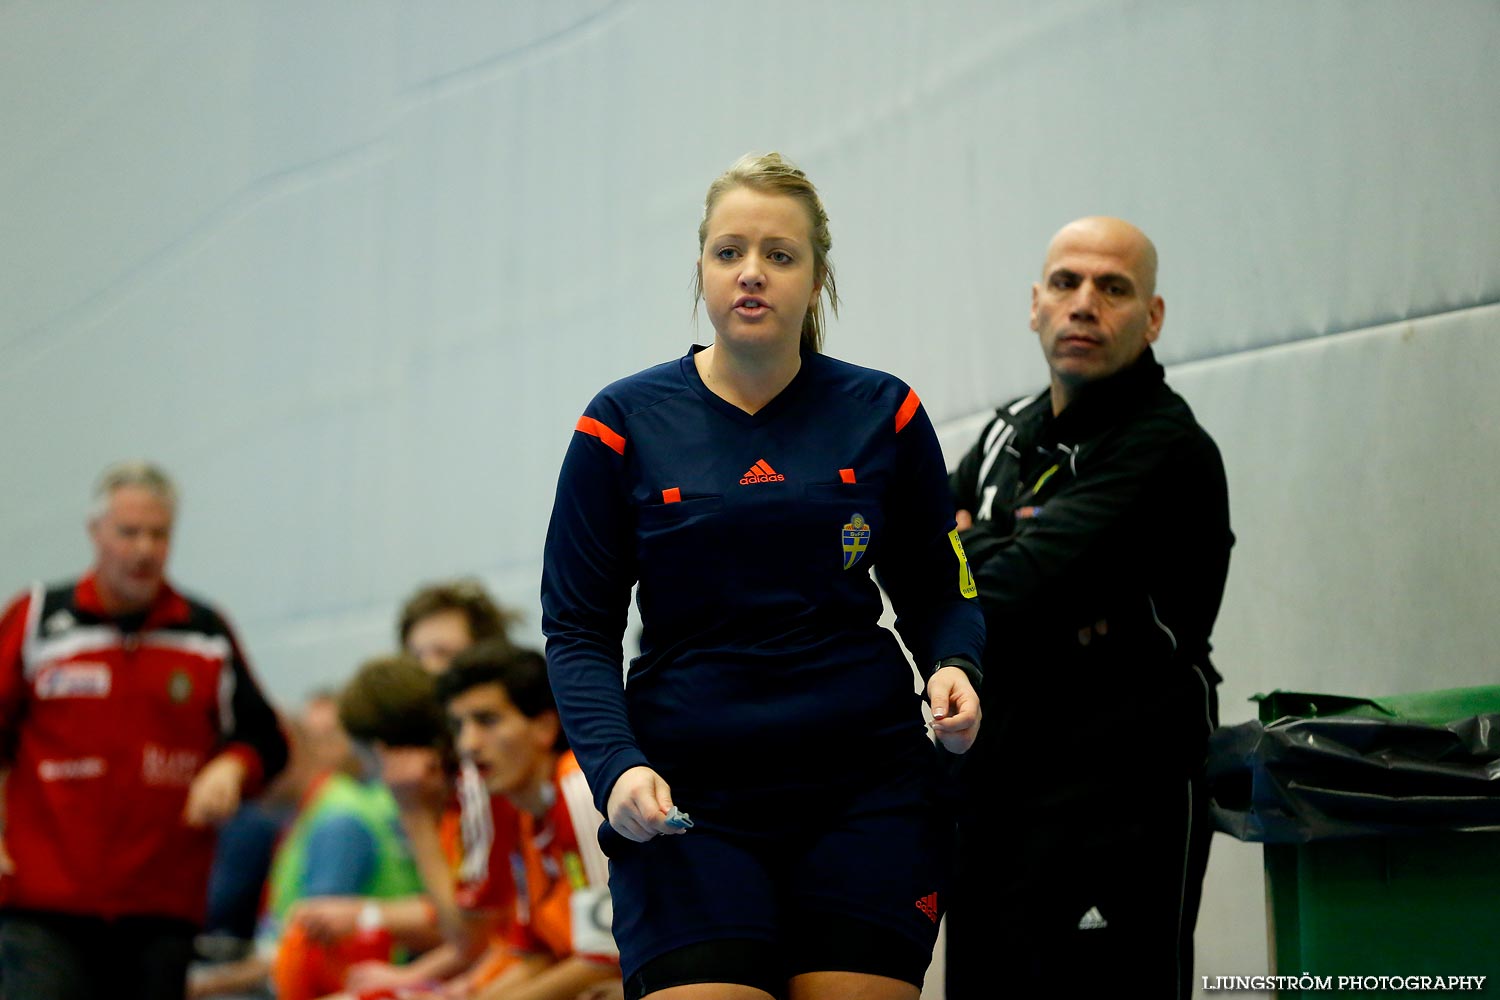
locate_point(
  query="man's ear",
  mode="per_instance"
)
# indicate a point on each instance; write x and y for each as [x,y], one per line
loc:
[1154,318]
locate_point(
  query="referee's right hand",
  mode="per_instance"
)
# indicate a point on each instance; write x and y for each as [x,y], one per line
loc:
[638,805]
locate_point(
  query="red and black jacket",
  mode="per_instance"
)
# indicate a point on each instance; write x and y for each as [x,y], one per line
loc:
[104,725]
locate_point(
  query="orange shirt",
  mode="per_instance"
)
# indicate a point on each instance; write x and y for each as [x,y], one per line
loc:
[560,874]
[478,833]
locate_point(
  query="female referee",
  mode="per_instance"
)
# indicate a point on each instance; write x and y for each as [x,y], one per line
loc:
[749,487]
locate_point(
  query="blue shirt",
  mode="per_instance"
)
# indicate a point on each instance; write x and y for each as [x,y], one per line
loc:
[752,537]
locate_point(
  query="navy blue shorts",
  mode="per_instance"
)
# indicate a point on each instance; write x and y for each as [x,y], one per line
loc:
[787,867]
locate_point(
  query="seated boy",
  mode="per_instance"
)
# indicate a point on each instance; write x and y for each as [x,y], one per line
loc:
[538,858]
[505,724]
[390,709]
[344,843]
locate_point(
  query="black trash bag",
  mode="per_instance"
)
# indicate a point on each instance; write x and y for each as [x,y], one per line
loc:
[1296,780]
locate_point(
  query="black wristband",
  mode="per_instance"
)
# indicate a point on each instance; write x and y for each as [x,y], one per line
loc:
[976,676]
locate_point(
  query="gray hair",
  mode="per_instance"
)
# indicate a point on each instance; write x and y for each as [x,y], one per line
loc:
[132,472]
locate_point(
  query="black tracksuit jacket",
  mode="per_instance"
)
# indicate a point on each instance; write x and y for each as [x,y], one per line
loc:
[1114,511]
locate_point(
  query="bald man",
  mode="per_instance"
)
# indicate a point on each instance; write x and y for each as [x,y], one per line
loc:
[1096,519]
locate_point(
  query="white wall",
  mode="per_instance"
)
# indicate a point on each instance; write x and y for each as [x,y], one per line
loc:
[352,269]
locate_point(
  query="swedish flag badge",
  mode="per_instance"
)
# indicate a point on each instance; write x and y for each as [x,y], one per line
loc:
[856,540]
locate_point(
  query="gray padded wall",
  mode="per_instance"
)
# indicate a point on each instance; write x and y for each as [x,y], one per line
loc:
[351,270]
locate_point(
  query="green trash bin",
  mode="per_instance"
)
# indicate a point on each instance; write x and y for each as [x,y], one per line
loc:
[1381,825]
[1386,906]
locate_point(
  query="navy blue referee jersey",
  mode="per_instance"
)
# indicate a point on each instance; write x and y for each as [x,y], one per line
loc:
[753,538]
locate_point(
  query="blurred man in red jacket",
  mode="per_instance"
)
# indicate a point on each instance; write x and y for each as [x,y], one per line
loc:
[131,725]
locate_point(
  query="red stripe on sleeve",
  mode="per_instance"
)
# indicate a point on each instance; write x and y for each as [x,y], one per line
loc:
[674,495]
[907,411]
[846,475]
[591,426]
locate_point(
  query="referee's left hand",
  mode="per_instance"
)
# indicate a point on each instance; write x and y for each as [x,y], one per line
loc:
[955,708]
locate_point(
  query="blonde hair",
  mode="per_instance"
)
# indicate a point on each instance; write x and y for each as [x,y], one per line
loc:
[771,173]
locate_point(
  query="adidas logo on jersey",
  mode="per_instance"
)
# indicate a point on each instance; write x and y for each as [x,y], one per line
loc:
[928,905]
[761,472]
[1093,920]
